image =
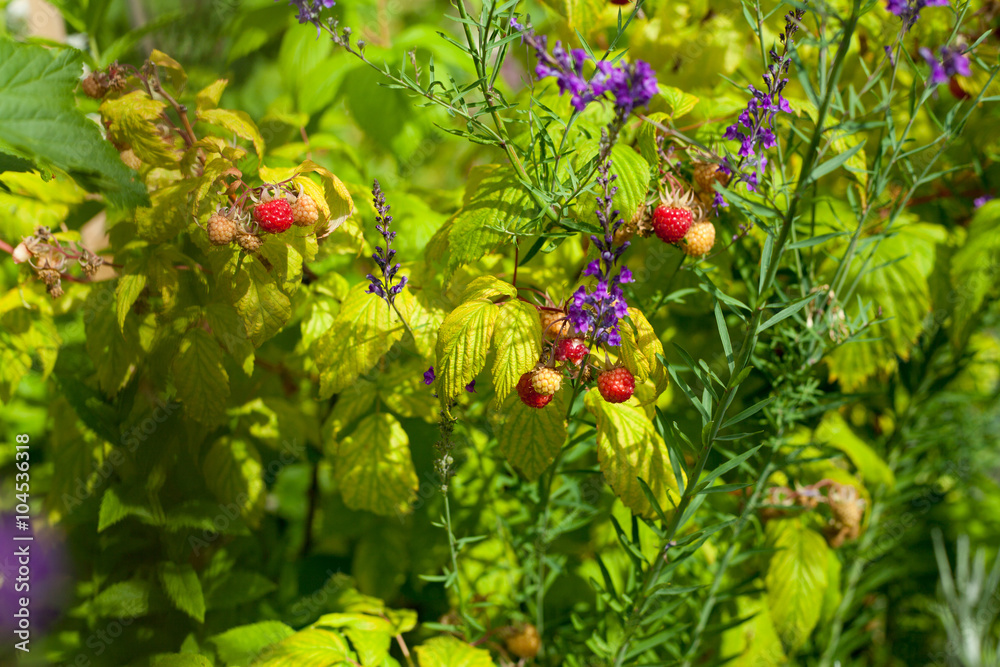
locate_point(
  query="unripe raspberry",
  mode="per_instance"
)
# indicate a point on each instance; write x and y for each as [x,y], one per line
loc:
[699,239]
[130,159]
[707,173]
[546,381]
[251,243]
[554,324]
[221,230]
[93,87]
[304,211]
[528,395]
[616,385]
[21,253]
[525,642]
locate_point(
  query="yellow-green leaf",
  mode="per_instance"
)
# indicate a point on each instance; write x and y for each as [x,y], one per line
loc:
[530,438]
[132,119]
[494,200]
[209,96]
[834,432]
[200,377]
[518,342]
[629,448]
[796,579]
[237,122]
[313,647]
[462,345]
[374,470]
[184,589]
[488,287]
[263,307]
[371,327]
[178,77]
[447,651]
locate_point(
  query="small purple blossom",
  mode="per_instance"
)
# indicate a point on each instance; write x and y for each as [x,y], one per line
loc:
[384,287]
[755,127]
[630,85]
[598,311]
[978,202]
[429,376]
[471,387]
[309,10]
[952,62]
[909,10]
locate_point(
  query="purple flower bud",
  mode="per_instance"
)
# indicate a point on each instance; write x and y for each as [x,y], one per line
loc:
[429,376]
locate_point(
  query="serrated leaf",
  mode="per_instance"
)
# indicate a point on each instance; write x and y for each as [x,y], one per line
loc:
[628,447]
[371,326]
[184,589]
[125,599]
[178,77]
[237,122]
[200,377]
[494,199]
[112,349]
[796,579]
[462,345]
[632,182]
[39,121]
[370,636]
[261,304]
[314,647]
[974,269]
[755,641]
[646,136]
[234,474]
[129,288]
[238,646]
[530,438]
[517,338]
[451,652]
[488,287]
[680,102]
[132,120]
[641,350]
[236,588]
[373,467]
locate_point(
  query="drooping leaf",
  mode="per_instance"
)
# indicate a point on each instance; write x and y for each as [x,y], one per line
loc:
[462,345]
[530,438]
[629,448]
[834,432]
[518,342]
[237,122]
[200,377]
[184,589]
[373,467]
[313,647]
[973,269]
[796,579]
[132,120]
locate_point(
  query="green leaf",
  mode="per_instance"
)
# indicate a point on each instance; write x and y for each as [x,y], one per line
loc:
[488,287]
[237,122]
[112,350]
[129,288]
[895,282]
[236,588]
[973,269]
[494,200]
[200,377]
[462,345]
[234,474]
[238,646]
[370,635]
[209,96]
[39,121]
[796,579]
[833,596]
[371,326]
[629,448]
[314,647]
[834,432]
[641,350]
[518,342]
[132,119]
[680,102]
[632,182]
[646,137]
[755,641]
[373,467]
[184,589]
[449,651]
[262,306]
[530,438]
[180,660]
[178,77]
[125,599]
[833,163]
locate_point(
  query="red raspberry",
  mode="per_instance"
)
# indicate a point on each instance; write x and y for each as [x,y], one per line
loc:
[616,385]
[671,223]
[573,349]
[274,216]
[528,395]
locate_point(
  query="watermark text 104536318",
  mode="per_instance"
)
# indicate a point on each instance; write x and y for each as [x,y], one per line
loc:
[21,543]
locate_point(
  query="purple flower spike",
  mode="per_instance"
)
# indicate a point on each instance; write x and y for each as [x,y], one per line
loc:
[385,286]
[952,62]
[909,10]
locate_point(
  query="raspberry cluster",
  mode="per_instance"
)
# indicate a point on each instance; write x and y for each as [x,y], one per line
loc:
[270,209]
